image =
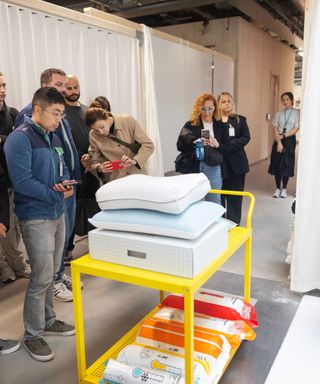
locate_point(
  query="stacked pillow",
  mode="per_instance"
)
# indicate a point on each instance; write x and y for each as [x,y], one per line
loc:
[166,206]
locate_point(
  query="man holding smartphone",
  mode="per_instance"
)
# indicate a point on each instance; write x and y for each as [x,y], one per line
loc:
[56,78]
[36,168]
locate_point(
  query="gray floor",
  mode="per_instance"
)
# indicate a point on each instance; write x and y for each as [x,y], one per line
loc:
[112,308]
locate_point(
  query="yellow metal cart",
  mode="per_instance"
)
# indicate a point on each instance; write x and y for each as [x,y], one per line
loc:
[238,236]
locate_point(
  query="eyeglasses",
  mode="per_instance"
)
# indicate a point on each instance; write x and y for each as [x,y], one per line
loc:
[56,115]
[207,109]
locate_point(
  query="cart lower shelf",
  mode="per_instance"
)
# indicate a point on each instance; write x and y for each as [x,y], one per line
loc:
[95,372]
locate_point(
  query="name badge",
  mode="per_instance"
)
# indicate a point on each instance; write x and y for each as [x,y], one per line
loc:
[231,130]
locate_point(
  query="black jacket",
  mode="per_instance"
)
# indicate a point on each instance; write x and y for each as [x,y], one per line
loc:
[190,132]
[4,197]
[7,119]
[236,157]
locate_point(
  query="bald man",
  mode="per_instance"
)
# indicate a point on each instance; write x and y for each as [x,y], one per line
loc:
[75,115]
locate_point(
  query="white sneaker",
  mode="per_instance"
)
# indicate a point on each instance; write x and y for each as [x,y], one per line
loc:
[284,193]
[62,293]
[276,193]
[67,281]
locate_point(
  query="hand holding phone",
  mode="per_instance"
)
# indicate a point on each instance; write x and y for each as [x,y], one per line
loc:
[66,183]
[116,165]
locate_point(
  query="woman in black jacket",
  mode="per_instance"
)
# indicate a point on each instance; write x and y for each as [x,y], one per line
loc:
[203,125]
[236,160]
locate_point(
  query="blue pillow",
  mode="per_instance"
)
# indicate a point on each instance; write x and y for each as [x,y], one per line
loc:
[187,225]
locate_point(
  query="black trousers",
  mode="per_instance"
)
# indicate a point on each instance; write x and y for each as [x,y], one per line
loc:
[233,204]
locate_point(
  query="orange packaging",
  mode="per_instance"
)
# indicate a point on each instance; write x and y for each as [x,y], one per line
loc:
[210,348]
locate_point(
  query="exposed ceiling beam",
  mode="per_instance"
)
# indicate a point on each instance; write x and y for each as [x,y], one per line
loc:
[164,6]
[263,18]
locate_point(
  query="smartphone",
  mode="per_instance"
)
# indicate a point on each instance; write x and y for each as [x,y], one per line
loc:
[65,183]
[116,165]
[205,134]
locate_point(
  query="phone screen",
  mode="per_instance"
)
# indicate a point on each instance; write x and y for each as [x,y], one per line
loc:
[205,134]
[69,182]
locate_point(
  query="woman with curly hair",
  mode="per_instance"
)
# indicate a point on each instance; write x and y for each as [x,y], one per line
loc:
[203,125]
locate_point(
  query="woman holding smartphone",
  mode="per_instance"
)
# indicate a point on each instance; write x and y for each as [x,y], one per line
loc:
[236,161]
[118,146]
[203,125]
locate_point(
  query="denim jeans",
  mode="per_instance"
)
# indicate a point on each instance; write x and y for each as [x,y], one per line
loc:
[215,178]
[44,241]
[70,216]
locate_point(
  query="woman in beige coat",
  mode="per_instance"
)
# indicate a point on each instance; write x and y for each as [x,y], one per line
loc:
[114,138]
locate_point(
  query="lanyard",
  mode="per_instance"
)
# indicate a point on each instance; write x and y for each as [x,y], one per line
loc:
[286,120]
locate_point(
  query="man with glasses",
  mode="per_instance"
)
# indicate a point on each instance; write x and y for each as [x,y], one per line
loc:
[37,171]
[56,78]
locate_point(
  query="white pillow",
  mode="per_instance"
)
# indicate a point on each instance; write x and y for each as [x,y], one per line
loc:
[165,194]
[187,225]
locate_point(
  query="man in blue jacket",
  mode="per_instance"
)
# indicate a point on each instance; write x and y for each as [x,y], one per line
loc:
[54,77]
[37,171]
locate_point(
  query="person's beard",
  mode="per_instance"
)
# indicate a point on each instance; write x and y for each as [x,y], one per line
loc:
[74,97]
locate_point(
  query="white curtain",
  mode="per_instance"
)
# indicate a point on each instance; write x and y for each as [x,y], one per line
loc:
[305,269]
[155,163]
[106,63]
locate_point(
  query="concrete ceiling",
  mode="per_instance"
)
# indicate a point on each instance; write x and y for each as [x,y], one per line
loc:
[281,19]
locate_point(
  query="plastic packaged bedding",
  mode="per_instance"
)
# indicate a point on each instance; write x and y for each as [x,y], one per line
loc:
[210,303]
[228,328]
[214,350]
[155,358]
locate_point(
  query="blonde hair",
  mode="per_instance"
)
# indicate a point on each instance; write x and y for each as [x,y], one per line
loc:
[199,102]
[225,93]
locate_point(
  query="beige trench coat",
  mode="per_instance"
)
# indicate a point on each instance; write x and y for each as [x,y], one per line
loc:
[102,148]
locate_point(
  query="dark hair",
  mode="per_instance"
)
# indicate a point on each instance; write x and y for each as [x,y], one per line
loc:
[46,76]
[47,96]
[102,102]
[289,94]
[94,114]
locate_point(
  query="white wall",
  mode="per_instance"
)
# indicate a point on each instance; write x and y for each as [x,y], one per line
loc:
[181,74]
[256,55]
[223,75]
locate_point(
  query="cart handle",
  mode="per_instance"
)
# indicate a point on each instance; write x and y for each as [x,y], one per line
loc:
[239,193]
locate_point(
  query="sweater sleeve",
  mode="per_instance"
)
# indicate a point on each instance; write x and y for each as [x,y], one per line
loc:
[185,139]
[18,153]
[147,146]
[96,156]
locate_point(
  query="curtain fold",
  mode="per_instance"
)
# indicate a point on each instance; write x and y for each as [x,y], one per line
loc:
[155,162]
[305,267]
